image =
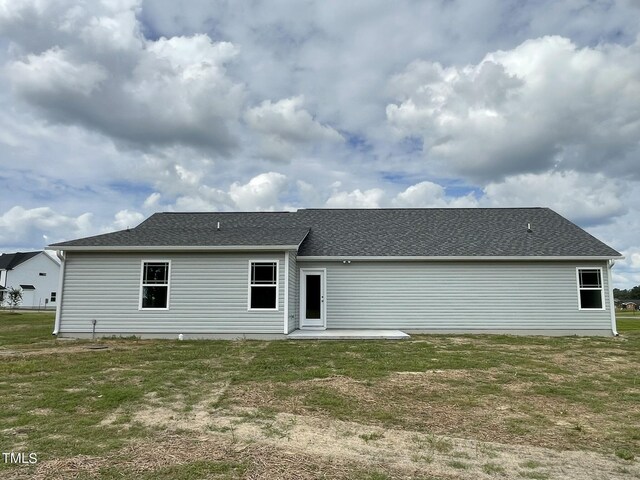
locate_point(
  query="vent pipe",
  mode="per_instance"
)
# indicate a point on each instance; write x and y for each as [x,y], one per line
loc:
[218,226]
[529,228]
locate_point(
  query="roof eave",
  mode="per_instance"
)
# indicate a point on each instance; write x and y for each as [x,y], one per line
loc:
[416,258]
[167,248]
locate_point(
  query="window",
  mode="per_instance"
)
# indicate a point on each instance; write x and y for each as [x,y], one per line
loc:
[154,289]
[590,292]
[263,285]
[42,274]
[53,296]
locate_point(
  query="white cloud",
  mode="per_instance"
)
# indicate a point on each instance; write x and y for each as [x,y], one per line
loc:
[285,125]
[542,104]
[94,68]
[54,72]
[21,225]
[127,219]
[262,192]
[152,200]
[372,198]
[585,199]
[431,195]
[203,199]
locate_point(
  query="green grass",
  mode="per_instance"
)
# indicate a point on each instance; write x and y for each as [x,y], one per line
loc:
[583,392]
[371,437]
[493,469]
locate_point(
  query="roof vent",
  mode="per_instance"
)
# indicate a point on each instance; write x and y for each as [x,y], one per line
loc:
[218,226]
[529,228]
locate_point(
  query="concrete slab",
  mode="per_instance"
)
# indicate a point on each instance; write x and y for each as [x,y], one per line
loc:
[347,334]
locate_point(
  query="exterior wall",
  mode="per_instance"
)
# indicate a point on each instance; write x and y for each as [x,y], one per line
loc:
[28,273]
[208,294]
[292,321]
[424,296]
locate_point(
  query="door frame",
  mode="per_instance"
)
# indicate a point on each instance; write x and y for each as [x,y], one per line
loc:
[323,300]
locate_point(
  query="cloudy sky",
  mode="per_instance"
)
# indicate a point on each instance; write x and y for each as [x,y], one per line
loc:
[112,110]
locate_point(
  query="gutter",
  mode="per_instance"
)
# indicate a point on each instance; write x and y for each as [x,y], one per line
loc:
[415,258]
[172,248]
[610,265]
[62,256]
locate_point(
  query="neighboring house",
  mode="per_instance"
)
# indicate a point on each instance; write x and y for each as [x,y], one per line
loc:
[267,274]
[35,273]
[629,305]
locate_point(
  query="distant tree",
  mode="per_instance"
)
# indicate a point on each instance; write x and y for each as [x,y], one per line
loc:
[14,298]
[630,294]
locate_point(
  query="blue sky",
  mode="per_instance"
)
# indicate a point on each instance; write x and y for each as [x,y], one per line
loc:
[113,110]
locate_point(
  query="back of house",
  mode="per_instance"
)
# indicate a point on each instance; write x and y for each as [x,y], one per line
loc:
[268,274]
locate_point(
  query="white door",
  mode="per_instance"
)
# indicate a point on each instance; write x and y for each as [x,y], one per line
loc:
[312,299]
[28,298]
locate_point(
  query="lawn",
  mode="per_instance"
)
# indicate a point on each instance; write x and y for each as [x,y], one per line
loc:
[431,407]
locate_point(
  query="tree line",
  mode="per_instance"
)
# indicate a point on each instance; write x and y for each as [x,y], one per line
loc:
[630,294]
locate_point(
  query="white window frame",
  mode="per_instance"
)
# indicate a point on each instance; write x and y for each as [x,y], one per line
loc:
[142,285]
[590,288]
[263,260]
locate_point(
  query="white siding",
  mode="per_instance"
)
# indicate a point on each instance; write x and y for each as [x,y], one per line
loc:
[208,295]
[415,296]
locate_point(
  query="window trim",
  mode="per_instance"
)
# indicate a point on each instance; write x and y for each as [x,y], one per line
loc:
[263,260]
[154,260]
[578,288]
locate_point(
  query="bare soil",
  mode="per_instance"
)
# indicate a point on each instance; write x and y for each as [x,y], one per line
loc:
[287,445]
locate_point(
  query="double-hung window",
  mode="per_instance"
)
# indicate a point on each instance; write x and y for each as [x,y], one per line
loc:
[263,285]
[590,291]
[154,286]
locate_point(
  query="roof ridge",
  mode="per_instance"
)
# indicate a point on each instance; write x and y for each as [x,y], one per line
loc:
[220,213]
[215,212]
[431,208]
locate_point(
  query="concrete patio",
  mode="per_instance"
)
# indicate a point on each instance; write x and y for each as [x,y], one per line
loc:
[348,334]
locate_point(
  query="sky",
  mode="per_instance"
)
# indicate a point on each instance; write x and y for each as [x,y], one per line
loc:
[112,110]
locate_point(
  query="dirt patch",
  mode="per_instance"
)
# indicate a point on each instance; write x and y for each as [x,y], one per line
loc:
[250,461]
[294,446]
[66,347]
[41,411]
[446,402]
[171,413]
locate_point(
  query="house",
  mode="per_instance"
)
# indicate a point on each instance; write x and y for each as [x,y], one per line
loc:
[629,305]
[268,274]
[36,274]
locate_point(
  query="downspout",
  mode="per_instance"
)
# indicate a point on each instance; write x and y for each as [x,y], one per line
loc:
[61,255]
[610,265]
[286,292]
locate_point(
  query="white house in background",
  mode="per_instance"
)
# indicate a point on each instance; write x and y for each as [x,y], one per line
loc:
[35,273]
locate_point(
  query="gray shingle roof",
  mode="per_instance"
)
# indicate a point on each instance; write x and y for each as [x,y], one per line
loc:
[12,260]
[438,232]
[200,230]
[447,232]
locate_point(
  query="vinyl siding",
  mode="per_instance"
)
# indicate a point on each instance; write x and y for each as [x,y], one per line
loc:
[208,294]
[292,321]
[415,296]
